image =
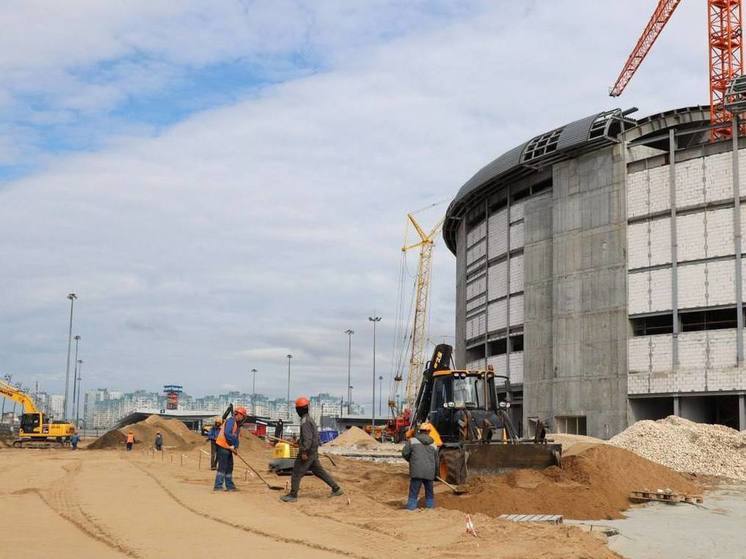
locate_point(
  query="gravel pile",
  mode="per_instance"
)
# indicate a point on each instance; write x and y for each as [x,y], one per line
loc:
[686,446]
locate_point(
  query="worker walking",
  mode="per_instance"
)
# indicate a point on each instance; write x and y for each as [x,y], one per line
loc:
[212,436]
[158,441]
[308,455]
[422,454]
[130,440]
[227,444]
[278,428]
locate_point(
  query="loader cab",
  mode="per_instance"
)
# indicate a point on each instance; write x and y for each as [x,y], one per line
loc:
[460,398]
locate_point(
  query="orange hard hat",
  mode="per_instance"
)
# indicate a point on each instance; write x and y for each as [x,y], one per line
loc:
[302,402]
[426,427]
[240,411]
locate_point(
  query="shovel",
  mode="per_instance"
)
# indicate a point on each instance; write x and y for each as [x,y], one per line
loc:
[456,490]
[273,487]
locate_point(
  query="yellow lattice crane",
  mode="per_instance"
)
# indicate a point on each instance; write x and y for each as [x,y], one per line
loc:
[416,341]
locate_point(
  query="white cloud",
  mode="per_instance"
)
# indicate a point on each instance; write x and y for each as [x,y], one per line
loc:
[273,224]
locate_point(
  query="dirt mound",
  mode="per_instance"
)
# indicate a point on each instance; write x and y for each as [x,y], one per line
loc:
[686,446]
[251,444]
[592,485]
[354,436]
[176,435]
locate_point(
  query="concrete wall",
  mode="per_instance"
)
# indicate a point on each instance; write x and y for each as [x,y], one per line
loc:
[576,309]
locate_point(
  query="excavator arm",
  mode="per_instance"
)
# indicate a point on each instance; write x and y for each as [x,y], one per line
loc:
[16,395]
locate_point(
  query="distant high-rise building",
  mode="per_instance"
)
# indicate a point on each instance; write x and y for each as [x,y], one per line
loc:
[56,405]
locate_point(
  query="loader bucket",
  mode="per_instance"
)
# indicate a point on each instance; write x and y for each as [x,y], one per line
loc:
[492,458]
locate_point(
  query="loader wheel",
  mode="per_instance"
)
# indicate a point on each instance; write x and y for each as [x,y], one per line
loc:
[452,465]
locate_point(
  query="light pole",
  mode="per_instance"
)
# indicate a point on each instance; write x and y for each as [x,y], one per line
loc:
[77,404]
[349,361]
[253,391]
[72,298]
[75,372]
[380,394]
[375,320]
[7,379]
[288,400]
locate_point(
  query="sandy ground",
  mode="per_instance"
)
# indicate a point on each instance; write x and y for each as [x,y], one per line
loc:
[108,503]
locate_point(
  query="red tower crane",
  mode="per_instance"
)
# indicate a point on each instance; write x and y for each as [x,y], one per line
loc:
[725,48]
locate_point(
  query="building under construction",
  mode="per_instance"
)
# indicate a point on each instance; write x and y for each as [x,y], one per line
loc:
[599,268]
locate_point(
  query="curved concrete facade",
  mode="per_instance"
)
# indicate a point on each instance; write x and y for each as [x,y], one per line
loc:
[603,293]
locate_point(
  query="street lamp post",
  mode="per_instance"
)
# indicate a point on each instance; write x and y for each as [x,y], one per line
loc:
[349,361]
[289,356]
[375,320]
[77,404]
[380,394]
[253,391]
[72,298]
[75,372]
[7,379]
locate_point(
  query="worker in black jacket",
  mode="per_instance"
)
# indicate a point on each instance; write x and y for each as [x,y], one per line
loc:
[308,455]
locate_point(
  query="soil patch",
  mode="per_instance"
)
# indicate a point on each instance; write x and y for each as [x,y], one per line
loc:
[251,444]
[354,436]
[591,485]
[176,435]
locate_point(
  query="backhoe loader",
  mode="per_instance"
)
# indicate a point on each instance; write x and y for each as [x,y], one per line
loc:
[477,433]
[37,429]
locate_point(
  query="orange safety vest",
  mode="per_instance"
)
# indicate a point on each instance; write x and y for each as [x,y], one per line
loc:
[221,440]
[131,438]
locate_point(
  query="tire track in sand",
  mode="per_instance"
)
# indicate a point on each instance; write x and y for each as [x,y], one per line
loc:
[65,504]
[251,530]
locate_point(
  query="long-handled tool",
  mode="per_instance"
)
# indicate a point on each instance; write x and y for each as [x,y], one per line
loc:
[273,487]
[456,489]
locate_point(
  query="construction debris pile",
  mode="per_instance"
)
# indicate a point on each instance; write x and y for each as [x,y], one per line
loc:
[685,446]
[176,435]
[354,436]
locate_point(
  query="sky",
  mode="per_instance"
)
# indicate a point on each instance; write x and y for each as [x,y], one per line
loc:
[223,183]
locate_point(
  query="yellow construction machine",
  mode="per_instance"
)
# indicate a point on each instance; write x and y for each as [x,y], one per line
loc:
[37,429]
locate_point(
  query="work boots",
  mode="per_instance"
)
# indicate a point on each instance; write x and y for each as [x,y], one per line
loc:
[337,492]
[289,498]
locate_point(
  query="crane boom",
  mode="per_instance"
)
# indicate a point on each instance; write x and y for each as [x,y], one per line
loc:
[658,21]
[17,396]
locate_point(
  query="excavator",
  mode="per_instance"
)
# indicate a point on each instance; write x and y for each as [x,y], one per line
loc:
[37,429]
[476,431]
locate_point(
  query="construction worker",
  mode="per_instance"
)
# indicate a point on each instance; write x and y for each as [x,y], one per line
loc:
[74,440]
[227,445]
[158,441]
[212,436]
[308,455]
[422,454]
[130,440]
[279,428]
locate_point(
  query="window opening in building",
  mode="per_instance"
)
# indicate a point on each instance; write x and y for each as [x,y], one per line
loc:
[498,347]
[708,320]
[516,343]
[570,424]
[652,325]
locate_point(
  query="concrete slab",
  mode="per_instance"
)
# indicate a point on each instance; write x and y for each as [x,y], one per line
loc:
[683,531]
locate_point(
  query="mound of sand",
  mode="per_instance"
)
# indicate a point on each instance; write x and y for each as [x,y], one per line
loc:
[176,435]
[686,446]
[591,485]
[354,436]
[251,444]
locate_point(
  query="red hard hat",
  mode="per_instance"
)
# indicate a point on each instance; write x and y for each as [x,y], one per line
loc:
[241,411]
[302,402]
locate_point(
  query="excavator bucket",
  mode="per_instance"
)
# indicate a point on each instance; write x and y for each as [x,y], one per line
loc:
[459,462]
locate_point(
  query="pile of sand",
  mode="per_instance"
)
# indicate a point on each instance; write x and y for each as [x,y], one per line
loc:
[591,485]
[354,436]
[251,444]
[176,435]
[686,446]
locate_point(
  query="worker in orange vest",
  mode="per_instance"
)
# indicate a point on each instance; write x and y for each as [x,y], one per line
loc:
[227,444]
[130,440]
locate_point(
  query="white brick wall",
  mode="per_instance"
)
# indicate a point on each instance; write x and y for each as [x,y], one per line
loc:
[637,194]
[660,290]
[719,177]
[638,292]
[660,241]
[476,303]
[722,348]
[475,326]
[689,182]
[476,287]
[499,362]
[720,232]
[638,354]
[498,233]
[661,352]
[516,310]
[659,194]
[692,291]
[690,230]
[498,280]
[721,288]
[497,314]
[476,233]
[516,236]
[692,350]
[516,273]
[638,251]
[516,211]
[516,367]
[475,252]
